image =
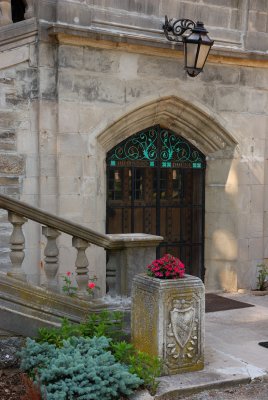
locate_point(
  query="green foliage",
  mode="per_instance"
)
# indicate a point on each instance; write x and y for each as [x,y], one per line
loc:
[142,364]
[262,276]
[57,335]
[34,355]
[109,324]
[82,368]
[68,288]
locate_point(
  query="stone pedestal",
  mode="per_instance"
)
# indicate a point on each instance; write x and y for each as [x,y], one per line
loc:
[130,254]
[168,321]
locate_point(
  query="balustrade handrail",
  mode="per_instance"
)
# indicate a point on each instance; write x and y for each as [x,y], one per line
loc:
[53,221]
[106,241]
[52,225]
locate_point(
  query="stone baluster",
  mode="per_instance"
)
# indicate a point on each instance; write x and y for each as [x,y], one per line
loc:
[81,266]
[5,12]
[51,253]
[29,12]
[17,245]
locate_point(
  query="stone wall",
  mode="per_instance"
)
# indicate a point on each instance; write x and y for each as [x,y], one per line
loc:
[235,23]
[18,133]
[60,98]
[97,87]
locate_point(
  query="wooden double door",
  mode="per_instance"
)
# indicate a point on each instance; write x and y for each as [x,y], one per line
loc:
[159,196]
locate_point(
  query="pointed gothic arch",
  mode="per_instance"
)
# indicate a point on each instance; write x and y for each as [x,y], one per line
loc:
[199,127]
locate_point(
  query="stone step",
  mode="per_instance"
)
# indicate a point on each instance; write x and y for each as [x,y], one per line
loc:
[25,307]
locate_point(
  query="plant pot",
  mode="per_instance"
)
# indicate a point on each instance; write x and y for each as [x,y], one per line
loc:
[167,321]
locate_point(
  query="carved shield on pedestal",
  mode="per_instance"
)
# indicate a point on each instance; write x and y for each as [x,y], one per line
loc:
[182,324]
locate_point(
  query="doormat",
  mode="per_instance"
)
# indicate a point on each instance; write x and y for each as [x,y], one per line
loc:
[264,344]
[215,302]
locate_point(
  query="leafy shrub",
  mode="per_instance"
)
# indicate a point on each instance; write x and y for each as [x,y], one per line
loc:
[81,369]
[109,324]
[142,364]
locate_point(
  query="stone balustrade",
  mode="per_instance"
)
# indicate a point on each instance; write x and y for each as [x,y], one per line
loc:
[128,254]
[6,11]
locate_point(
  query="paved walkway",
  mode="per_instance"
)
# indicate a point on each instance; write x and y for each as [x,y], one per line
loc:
[232,353]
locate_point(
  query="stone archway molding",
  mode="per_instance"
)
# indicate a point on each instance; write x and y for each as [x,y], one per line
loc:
[199,127]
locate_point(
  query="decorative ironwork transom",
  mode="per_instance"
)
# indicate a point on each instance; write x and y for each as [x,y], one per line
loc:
[153,146]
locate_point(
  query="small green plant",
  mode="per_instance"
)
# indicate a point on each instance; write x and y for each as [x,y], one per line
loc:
[109,324]
[56,336]
[68,287]
[82,368]
[142,364]
[262,276]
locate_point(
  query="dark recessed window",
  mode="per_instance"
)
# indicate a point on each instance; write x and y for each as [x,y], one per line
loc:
[18,10]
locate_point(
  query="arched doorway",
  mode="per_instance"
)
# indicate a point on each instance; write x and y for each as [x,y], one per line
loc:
[156,185]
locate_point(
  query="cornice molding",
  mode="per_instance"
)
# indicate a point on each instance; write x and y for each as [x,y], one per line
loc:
[151,45]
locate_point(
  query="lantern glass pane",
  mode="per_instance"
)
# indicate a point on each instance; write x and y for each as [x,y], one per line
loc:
[191,54]
[202,56]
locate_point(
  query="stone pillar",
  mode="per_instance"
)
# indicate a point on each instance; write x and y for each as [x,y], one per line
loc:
[51,253]
[5,12]
[17,245]
[167,321]
[81,266]
[131,254]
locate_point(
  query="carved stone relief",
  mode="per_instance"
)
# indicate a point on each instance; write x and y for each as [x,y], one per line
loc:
[182,339]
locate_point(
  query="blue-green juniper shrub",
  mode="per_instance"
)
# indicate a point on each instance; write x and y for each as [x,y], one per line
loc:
[83,368]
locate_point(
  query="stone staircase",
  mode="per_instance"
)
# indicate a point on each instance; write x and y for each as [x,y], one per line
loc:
[25,307]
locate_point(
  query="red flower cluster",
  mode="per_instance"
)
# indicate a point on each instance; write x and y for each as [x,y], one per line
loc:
[167,267]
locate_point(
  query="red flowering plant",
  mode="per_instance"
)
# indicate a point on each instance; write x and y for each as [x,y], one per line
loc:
[71,290]
[91,286]
[167,267]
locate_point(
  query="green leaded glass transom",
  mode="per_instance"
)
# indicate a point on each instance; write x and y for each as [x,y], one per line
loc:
[156,145]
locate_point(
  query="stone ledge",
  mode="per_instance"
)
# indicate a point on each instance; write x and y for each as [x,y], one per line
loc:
[121,241]
[14,35]
[152,42]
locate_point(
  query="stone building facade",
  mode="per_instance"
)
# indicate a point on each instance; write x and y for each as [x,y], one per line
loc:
[79,77]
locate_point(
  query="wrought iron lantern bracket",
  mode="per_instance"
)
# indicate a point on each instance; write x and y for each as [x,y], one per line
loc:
[174,29]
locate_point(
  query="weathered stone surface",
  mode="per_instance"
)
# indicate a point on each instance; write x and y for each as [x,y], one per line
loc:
[70,56]
[9,348]
[137,251]
[101,61]
[168,321]
[10,164]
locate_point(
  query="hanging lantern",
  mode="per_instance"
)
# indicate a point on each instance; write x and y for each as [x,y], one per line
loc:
[197,43]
